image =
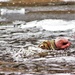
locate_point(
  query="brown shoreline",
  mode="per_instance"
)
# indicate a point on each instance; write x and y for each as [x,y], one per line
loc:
[34,3]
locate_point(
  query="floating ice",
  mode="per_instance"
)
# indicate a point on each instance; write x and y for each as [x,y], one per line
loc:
[21,54]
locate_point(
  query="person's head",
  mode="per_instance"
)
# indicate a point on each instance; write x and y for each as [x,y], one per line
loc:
[62,43]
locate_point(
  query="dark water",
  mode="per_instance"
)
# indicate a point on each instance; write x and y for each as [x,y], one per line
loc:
[12,38]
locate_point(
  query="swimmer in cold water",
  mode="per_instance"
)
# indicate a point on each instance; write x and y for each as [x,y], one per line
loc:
[59,43]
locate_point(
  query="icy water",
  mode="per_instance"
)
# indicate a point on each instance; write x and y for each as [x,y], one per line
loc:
[21,31]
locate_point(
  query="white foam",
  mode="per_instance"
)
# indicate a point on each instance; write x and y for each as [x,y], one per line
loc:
[51,24]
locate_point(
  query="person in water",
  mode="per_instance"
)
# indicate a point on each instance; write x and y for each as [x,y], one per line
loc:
[58,44]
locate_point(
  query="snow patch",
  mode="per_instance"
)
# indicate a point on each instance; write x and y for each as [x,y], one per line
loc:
[4,0]
[8,11]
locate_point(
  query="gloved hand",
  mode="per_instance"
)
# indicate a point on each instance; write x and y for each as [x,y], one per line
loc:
[62,43]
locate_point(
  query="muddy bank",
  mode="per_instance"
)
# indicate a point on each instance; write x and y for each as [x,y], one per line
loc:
[36,3]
